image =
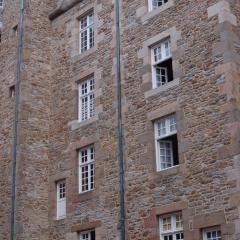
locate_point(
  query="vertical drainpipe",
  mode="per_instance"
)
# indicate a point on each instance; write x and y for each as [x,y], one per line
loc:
[16,122]
[120,125]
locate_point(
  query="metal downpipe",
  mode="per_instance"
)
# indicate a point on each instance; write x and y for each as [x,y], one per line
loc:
[16,122]
[120,125]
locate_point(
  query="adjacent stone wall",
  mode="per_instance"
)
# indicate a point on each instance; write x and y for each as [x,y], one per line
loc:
[8,49]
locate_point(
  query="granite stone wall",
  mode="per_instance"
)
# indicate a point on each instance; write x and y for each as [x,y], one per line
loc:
[204,96]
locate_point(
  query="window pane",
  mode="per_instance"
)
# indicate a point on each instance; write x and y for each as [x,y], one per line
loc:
[161,76]
[86,32]
[165,151]
[179,223]
[213,235]
[87,99]
[158,3]
[86,173]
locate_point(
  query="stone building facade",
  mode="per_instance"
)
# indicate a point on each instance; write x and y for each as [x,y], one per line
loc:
[180,75]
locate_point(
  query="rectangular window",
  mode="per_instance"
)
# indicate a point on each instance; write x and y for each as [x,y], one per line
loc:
[171,227]
[1,3]
[154,4]
[162,71]
[212,234]
[86,32]
[12,91]
[88,235]
[86,99]
[86,169]
[61,199]
[166,142]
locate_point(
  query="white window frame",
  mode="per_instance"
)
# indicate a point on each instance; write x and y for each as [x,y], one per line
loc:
[151,6]
[86,233]
[61,200]
[159,137]
[90,164]
[86,30]
[212,229]
[87,110]
[174,230]
[1,4]
[165,53]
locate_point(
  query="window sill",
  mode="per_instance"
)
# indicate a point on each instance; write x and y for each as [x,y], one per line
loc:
[175,170]
[60,221]
[85,196]
[155,12]
[80,56]
[163,88]
[76,124]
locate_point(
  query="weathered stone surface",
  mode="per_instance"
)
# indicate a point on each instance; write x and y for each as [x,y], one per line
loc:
[205,97]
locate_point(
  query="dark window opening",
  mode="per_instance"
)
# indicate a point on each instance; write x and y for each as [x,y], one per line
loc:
[92,233]
[12,91]
[164,72]
[173,139]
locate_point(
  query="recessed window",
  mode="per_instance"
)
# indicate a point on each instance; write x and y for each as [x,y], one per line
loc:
[166,142]
[212,234]
[86,99]
[162,71]
[1,3]
[12,91]
[86,32]
[61,199]
[15,30]
[88,235]
[154,4]
[86,169]
[171,227]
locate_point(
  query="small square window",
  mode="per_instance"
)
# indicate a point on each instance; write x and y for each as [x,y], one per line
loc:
[87,235]
[162,71]
[154,4]
[86,36]
[166,142]
[171,227]
[212,233]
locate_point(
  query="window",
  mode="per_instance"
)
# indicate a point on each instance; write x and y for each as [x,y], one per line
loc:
[154,4]
[1,3]
[86,32]
[212,234]
[86,101]
[88,235]
[166,142]
[61,199]
[14,30]
[162,71]
[86,169]
[171,227]
[12,91]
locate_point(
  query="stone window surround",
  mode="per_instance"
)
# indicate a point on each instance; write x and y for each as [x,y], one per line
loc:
[76,124]
[145,14]
[145,54]
[152,221]
[53,193]
[168,109]
[73,30]
[192,225]
[85,142]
